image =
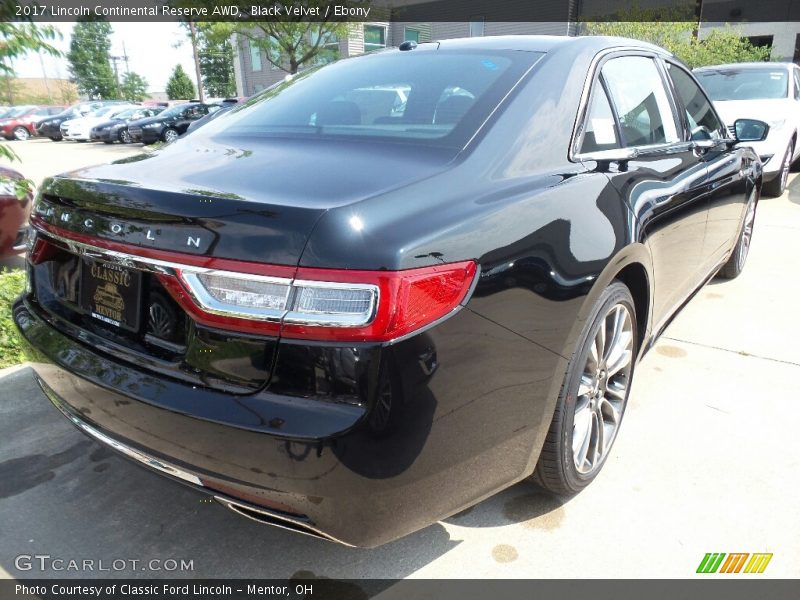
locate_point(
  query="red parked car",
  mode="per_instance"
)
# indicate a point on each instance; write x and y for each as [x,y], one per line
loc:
[19,124]
[13,213]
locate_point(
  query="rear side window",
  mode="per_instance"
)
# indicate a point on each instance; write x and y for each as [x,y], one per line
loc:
[641,101]
[601,129]
[703,122]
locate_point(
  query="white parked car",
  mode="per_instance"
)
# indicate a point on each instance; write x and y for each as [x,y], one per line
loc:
[766,91]
[81,129]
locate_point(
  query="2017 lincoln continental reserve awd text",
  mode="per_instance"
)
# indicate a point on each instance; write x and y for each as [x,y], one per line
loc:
[387,288]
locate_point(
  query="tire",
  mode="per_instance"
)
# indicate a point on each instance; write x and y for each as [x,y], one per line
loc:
[57,139]
[573,453]
[21,134]
[775,187]
[125,136]
[735,265]
[169,135]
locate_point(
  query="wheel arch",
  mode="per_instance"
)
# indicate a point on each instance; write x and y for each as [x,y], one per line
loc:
[632,266]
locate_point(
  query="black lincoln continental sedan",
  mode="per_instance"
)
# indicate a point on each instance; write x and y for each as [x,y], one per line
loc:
[387,288]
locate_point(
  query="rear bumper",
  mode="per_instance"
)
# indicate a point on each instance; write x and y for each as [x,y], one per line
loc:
[276,517]
[462,428]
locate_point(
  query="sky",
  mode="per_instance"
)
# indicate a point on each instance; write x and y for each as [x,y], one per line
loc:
[149,47]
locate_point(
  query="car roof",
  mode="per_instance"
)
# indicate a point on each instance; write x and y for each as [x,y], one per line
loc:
[747,65]
[546,43]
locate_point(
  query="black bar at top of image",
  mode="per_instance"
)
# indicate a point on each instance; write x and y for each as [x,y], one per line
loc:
[733,11]
[388,589]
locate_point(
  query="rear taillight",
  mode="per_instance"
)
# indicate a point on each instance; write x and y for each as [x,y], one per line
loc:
[406,301]
[307,303]
[326,304]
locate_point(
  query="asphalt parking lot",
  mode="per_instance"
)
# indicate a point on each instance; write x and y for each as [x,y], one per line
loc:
[706,461]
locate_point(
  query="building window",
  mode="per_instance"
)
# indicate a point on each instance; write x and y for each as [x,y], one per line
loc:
[761,41]
[274,55]
[328,47]
[374,37]
[411,35]
[255,56]
[476,26]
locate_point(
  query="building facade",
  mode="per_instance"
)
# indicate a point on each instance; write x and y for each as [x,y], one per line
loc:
[254,72]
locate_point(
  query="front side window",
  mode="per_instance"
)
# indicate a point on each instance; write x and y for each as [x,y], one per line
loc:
[703,122]
[255,56]
[761,83]
[433,98]
[600,131]
[374,37]
[641,101]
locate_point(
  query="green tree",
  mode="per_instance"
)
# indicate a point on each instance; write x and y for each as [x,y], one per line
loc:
[674,30]
[179,86]
[134,87]
[89,59]
[16,40]
[293,45]
[216,60]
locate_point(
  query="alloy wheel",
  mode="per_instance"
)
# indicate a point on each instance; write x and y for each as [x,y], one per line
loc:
[170,135]
[603,390]
[747,231]
[20,133]
[125,136]
[787,164]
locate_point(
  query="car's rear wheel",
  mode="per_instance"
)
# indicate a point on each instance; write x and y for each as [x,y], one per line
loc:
[777,186]
[125,136]
[20,133]
[56,138]
[593,397]
[735,265]
[170,135]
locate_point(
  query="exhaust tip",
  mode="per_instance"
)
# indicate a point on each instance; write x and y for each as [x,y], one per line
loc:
[267,517]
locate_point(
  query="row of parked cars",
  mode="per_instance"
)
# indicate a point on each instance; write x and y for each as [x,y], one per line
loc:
[101,121]
[108,121]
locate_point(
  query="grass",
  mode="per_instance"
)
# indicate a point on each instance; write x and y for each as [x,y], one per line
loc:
[13,348]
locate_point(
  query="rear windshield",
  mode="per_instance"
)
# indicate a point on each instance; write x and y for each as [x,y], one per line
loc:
[745,84]
[436,97]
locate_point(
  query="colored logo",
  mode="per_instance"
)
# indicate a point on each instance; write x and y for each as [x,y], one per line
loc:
[741,562]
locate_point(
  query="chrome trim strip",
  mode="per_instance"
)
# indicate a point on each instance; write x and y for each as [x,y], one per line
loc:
[583,105]
[151,265]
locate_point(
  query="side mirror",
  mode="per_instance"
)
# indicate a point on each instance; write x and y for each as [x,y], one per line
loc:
[750,130]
